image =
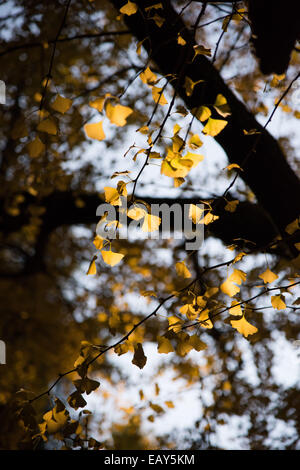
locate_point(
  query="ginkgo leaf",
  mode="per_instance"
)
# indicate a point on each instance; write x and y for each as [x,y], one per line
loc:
[213,127]
[201,50]
[189,85]
[76,400]
[235,308]
[169,404]
[196,343]
[98,242]
[130,8]
[232,205]
[164,345]
[232,166]
[151,223]
[292,227]
[136,212]
[158,96]
[139,358]
[182,270]
[229,288]
[202,113]
[98,103]
[204,319]
[195,142]
[48,126]
[35,148]
[195,213]
[92,267]
[122,348]
[238,276]
[95,130]
[243,327]
[183,346]
[61,104]
[118,114]
[277,302]
[175,323]
[180,40]
[221,106]
[111,258]
[148,77]
[268,276]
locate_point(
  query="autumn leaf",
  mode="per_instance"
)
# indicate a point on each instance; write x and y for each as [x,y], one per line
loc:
[232,205]
[118,114]
[151,223]
[95,130]
[164,345]
[139,358]
[61,104]
[92,267]
[158,96]
[213,127]
[243,327]
[268,276]
[35,148]
[130,8]
[182,270]
[148,77]
[202,113]
[111,258]
[48,126]
[235,308]
[195,213]
[278,302]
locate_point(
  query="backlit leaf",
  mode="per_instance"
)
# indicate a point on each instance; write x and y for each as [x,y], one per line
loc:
[268,276]
[243,327]
[118,114]
[213,127]
[95,130]
[111,258]
[61,104]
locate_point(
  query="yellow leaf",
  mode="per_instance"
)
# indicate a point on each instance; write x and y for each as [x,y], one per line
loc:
[61,104]
[292,227]
[268,276]
[122,348]
[221,106]
[238,276]
[196,343]
[98,242]
[118,114]
[183,346]
[158,96]
[201,50]
[151,223]
[112,196]
[175,323]
[169,404]
[130,8]
[214,126]
[111,258]
[136,213]
[195,213]
[229,288]
[182,270]
[204,319]
[235,308]
[98,104]
[232,205]
[189,85]
[180,40]
[148,77]
[48,126]
[277,302]
[202,113]
[178,182]
[297,245]
[139,358]
[35,148]
[164,345]
[208,218]
[95,130]
[232,166]
[243,327]
[92,268]
[195,142]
